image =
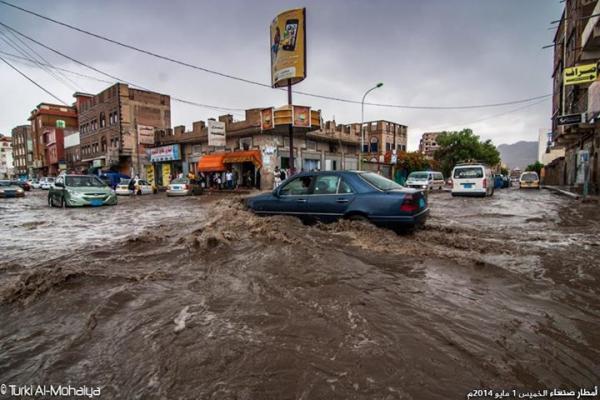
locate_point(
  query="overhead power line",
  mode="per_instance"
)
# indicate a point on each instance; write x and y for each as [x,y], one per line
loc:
[115,78]
[261,84]
[32,81]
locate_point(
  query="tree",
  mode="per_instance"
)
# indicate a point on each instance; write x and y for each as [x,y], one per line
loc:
[537,167]
[415,161]
[461,146]
[504,171]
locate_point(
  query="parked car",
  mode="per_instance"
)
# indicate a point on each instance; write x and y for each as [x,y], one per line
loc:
[46,183]
[122,188]
[35,184]
[112,178]
[505,181]
[472,179]
[357,195]
[184,187]
[23,185]
[80,190]
[529,180]
[10,189]
[426,180]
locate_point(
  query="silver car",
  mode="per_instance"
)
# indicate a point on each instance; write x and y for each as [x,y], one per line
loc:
[183,187]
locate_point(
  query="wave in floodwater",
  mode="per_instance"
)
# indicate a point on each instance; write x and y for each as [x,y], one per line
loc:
[224,304]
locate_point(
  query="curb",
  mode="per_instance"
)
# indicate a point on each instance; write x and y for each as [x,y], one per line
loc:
[563,192]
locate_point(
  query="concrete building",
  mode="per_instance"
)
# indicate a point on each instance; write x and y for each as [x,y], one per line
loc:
[576,96]
[6,157]
[22,145]
[428,143]
[48,124]
[117,125]
[253,145]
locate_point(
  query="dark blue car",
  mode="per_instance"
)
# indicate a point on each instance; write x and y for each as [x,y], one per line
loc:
[331,195]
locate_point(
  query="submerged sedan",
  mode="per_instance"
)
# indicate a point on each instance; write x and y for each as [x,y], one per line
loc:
[331,195]
[80,190]
[10,189]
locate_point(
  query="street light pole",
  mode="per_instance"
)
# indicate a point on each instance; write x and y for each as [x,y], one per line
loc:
[362,122]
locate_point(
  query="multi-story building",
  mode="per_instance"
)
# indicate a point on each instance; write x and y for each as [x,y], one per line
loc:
[117,124]
[428,143]
[22,150]
[6,157]
[255,144]
[48,122]
[576,96]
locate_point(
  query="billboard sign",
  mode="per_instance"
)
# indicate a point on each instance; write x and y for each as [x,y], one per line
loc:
[216,133]
[288,47]
[301,116]
[165,153]
[145,134]
[580,74]
[267,119]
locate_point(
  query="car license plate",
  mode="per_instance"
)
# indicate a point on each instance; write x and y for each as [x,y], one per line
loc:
[467,185]
[96,202]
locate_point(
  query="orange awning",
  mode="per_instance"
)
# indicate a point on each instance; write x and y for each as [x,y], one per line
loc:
[211,163]
[253,156]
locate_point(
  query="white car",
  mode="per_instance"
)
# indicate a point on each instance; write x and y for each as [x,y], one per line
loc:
[425,180]
[35,184]
[46,183]
[472,179]
[122,188]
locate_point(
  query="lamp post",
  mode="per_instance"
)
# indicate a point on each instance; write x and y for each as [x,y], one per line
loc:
[362,122]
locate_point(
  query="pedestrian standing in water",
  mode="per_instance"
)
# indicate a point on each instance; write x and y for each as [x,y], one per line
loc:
[258,179]
[229,179]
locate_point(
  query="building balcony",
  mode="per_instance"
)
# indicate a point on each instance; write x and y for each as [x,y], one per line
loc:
[590,38]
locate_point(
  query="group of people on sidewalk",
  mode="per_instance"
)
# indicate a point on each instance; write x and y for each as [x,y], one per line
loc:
[227,180]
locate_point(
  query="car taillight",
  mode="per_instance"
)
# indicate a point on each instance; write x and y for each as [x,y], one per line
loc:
[409,204]
[484,183]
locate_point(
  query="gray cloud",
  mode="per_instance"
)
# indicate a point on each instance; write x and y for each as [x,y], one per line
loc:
[435,52]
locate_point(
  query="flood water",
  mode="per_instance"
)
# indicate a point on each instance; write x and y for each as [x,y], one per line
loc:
[196,298]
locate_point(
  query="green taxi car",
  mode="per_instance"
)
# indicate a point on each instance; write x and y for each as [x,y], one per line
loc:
[80,190]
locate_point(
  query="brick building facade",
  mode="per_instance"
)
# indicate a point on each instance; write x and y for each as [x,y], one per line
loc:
[576,43]
[22,150]
[112,124]
[428,143]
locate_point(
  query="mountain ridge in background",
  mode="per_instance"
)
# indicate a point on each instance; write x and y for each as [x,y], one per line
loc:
[519,154]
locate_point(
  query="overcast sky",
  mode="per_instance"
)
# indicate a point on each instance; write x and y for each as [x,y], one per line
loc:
[427,53]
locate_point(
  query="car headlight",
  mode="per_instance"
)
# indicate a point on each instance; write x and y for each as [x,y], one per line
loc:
[19,190]
[73,193]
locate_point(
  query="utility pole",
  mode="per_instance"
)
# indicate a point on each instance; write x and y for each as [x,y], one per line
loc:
[362,122]
[291,129]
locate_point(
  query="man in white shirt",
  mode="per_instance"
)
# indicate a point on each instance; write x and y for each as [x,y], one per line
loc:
[229,179]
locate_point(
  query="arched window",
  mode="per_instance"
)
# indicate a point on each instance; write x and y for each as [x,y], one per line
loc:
[102,120]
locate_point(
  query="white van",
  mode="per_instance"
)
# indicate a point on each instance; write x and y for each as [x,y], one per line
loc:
[425,180]
[472,180]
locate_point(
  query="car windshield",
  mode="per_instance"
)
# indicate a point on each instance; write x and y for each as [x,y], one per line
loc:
[468,172]
[532,176]
[418,176]
[379,181]
[50,180]
[180,181]
[83,181]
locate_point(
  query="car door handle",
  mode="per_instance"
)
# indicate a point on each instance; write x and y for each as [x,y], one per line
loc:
[301,201]
[342,201]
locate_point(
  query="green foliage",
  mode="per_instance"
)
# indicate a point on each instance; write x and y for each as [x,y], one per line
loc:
[460,146]
[537,167]
[504,171]
[415,161]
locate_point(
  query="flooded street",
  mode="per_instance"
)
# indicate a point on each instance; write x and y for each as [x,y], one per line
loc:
[196,298]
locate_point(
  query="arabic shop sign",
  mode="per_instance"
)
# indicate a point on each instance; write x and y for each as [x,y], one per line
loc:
[580,74]
[570,119]
[165,153]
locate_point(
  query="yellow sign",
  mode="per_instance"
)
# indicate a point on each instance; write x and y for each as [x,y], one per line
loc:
[288,47]
[580,74]
[150,174]
[166,174]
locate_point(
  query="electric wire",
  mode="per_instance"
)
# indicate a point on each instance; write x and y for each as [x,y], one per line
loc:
[34,82]
[252,82]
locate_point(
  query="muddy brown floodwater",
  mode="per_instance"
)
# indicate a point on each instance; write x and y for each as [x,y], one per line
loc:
[195,298]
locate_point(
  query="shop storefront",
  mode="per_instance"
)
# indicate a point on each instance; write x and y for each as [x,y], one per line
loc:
[244,164]
[166,164]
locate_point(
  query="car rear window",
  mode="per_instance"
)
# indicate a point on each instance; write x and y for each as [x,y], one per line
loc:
[468,173]
[180,181]
[532,176]
[379,181]
[418,176]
